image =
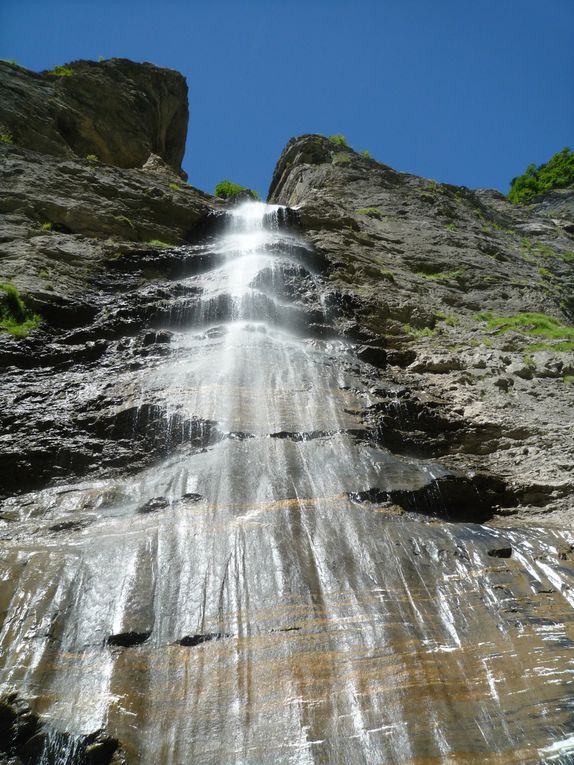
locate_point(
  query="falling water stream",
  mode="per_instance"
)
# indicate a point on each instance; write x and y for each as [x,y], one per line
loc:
[239,603]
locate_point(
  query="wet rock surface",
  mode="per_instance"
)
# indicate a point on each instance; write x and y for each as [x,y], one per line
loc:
[265,496]
[261,533]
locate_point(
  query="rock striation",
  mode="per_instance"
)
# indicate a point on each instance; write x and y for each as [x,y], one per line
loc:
[420,271]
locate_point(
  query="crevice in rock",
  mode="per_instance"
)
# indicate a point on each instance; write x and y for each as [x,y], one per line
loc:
[453,497]
[190,641]
[500,552]
[128,639]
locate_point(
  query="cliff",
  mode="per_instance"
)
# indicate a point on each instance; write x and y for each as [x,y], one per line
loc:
[68,220]
[116,109]
[274,480]
[465,299]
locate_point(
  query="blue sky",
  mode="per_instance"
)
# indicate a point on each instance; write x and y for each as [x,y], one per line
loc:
[463,91]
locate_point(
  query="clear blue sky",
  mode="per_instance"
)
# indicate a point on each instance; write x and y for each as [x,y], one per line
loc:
[463,91]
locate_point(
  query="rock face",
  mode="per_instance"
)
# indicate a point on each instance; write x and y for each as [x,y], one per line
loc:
[412,264]
[118,110]
[68,223]
[268,494]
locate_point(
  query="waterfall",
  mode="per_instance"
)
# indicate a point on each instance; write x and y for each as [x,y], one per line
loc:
[269,590]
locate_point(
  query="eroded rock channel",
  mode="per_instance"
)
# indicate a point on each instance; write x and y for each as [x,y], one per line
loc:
[247,566]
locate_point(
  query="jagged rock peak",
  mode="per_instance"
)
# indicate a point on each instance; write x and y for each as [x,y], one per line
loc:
[118,110]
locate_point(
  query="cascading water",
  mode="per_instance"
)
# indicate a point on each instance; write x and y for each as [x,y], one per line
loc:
[261,595]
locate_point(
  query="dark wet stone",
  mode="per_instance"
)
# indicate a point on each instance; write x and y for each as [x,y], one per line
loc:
[128,639]
[70,525]
[373,355]
[500,552]
[309,436]
[101,751]
[401,358]
[454,497]
[153,505]
[19,726]
[31,750]
[153,338]
[193,640]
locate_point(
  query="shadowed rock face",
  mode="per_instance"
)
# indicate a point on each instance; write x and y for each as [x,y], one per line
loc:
[116,109]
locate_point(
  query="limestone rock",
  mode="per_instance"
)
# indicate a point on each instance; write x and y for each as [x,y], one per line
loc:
[117,110]
[414,263]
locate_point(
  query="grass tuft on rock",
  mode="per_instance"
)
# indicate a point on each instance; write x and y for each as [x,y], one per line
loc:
[440,276]
[15,318]
[538,325]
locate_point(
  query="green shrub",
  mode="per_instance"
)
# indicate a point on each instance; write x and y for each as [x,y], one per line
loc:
[7,137]
[339,140]
[226,189]
[175,187]
[557,173]
[46,226]
[61,71]
[451,227]
[366,153]
[14,316]
[92,157]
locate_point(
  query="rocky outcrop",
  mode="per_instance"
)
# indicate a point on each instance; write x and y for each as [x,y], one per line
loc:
[421,271]
[251,508]
[64,219]
[117,110]
[67,226]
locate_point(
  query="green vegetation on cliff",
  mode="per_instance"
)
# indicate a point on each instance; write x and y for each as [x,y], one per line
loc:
[557,173]
[226,189]
[61,71]
[15,318]
[532,324]
[339,140]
